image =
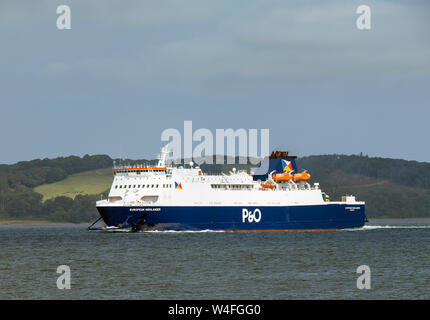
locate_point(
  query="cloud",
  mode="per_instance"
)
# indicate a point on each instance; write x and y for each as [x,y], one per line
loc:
[253,60]
[197,46]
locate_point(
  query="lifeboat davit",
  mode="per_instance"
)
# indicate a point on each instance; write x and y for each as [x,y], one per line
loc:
[280,177]
[268,185]
[301,176]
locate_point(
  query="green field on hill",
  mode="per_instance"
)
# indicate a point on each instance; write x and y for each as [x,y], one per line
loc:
[87,182]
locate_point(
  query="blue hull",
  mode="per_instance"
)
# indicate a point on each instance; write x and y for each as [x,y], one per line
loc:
[312,217]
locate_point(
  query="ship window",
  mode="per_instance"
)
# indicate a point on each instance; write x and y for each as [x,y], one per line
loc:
[129,186]
[138,186]
[143,186]
[152,186]
[120,186]
[134,186]
[116,187]
[156,186]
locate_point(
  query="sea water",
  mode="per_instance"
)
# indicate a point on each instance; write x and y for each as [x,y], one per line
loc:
[216,265]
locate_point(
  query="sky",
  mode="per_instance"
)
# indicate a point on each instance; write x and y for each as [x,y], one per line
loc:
[127,70]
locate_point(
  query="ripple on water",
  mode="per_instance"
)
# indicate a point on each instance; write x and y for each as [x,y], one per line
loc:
[216,265]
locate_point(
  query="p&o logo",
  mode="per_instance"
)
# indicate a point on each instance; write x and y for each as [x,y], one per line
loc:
[252,216]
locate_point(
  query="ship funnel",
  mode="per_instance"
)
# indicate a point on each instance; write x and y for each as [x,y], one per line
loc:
[279,162]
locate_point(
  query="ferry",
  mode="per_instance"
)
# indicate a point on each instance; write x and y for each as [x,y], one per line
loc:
[275,197]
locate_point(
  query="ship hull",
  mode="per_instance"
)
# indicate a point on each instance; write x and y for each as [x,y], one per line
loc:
[330,216]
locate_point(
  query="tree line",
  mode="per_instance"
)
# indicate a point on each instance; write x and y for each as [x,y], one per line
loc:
[18,200]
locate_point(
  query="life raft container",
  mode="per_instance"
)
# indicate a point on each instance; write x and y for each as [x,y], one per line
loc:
[268,185]
[301,176]
[280,177]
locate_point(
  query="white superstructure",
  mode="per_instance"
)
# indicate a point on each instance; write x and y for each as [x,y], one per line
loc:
[187,186]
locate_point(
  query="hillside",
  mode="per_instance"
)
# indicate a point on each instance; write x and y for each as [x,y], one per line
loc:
[91,182]
[65,189]
[18,200]
[392,188]
[384,199]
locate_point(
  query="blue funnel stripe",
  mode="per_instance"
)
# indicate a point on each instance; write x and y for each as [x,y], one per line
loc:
[268,165]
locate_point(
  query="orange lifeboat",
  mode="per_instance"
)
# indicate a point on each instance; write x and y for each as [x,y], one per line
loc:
[268,185]
[301,176]
[280,177]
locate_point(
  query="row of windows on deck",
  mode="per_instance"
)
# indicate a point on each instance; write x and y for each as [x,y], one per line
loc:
[232,186]
[139,171]
[142,186]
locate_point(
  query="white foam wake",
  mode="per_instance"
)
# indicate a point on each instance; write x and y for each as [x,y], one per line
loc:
[376,227]
[180,231]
